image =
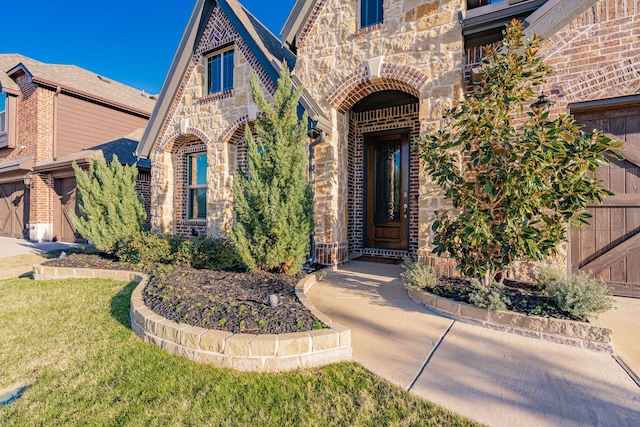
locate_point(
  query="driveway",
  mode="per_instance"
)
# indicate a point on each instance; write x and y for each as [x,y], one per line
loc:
[11,247]
[496,378]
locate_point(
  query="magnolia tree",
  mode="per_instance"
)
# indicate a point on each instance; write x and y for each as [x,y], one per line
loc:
[516,177]
[274,208]
[110,207]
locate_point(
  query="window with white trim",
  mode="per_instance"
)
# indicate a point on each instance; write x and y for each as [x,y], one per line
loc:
[371,13]
[197,186]
[220,71]
[3,112]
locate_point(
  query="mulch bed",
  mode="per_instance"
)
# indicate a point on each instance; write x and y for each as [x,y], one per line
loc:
[225,300]
[525,298]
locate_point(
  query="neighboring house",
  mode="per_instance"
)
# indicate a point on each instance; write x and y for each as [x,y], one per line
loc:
[51,115]
[377,74]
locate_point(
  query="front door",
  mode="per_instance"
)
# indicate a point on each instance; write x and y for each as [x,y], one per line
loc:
[387,205]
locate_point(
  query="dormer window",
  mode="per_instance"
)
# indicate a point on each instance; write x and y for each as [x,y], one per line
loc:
[3,113]
[370,13]
[220,71]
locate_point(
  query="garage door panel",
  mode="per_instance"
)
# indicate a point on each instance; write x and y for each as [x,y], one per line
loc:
[12,215]
[610,246]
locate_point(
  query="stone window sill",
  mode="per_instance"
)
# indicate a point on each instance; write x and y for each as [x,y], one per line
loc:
[369,29]
[218,95]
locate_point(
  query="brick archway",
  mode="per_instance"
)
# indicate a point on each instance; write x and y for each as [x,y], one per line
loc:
[177,139]
[359,84]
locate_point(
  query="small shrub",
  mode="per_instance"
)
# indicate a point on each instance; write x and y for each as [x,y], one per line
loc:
[580,295]
[144,248]
[418,275]
[549,276]
[214,254]
[488,298]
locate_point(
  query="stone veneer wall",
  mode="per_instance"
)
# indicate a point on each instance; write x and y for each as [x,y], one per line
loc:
[420,46]
[214,121]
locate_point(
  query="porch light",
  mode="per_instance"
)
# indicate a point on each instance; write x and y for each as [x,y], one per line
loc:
[28,178]
[542,103]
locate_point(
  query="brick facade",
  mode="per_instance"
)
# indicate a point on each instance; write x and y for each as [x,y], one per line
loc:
[35,141]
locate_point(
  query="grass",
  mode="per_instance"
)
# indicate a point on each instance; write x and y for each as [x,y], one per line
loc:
[71,340]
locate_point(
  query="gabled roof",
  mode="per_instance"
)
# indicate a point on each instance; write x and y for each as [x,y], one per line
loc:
[297,18]
[266,47]
[124,147]
[74,80]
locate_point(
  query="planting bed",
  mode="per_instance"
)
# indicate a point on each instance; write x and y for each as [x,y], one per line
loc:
[224,300]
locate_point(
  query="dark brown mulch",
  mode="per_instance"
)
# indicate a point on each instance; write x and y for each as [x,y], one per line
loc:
[224,300]
[524,297]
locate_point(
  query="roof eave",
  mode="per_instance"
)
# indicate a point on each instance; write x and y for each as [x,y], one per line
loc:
[90,97]
[554,15]
[297,18]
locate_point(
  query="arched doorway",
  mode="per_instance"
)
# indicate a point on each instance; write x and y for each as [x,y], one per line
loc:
[383,184]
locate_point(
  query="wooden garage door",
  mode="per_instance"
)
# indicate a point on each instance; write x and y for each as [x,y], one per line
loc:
[66,203]
[12,209]
[610,247]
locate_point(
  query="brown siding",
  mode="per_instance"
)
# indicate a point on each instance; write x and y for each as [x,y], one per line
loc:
[81,124]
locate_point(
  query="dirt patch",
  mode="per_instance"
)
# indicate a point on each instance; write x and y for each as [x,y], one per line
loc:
[237,302]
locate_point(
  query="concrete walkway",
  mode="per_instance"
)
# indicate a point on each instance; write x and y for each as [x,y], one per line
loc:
[495,378]
[11,247]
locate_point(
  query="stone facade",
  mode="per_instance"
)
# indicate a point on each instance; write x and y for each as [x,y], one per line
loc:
[417,50]
[213,124]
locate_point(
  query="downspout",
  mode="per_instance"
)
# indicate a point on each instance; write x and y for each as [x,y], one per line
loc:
[55,123]
[312,169]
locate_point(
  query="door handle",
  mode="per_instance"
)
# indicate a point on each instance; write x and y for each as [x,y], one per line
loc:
[406,209]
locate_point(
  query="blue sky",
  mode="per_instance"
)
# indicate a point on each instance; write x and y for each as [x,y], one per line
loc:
[132,41]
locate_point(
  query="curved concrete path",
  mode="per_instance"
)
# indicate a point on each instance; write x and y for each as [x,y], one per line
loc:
[492,377]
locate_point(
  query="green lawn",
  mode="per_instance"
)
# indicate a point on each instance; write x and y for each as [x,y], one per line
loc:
[72,341]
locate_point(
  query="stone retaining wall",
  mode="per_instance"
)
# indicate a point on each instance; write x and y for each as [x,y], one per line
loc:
[244,352]
[593,336]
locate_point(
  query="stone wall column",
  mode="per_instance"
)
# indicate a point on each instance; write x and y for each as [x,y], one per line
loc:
[162,192]
[331,190]
[220,212]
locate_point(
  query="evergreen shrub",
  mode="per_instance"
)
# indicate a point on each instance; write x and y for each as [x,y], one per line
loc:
[111,210]
[488,297]
[580,295]
[418,275]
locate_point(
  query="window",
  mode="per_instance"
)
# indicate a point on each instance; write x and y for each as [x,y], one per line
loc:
[370,13]
[197,186]
[3,114]
[220,72]
[472,4]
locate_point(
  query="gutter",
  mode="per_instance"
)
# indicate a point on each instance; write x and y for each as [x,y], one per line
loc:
[312,147]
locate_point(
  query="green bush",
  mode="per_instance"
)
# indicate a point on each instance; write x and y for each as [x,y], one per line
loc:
[144,248]
[418,275]
[580,295]
[488,298]
[550,275]
[214,254]
[111,210]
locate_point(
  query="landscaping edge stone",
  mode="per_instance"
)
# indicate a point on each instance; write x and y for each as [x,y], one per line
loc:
[592,336]
[243,352]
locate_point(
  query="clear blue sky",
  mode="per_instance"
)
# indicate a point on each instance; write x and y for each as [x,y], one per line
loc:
[131,41]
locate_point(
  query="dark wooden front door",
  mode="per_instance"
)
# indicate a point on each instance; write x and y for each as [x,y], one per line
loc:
[387,205]
[610,247]
[12,209]
[66,192]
